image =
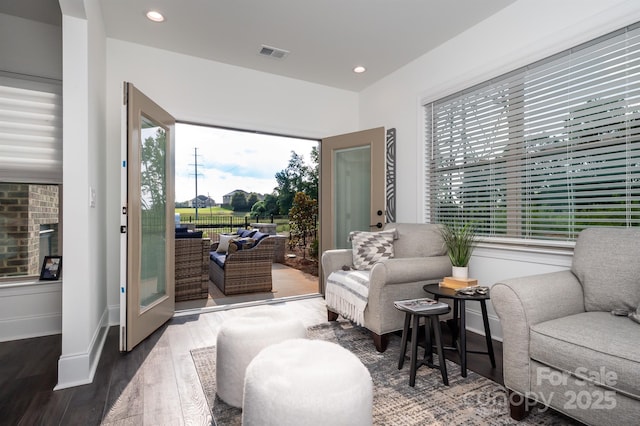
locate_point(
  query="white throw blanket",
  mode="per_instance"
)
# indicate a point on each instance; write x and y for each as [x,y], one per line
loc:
[347,293]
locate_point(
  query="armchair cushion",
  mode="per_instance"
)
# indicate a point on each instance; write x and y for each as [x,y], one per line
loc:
[606,263]
[562,341]
[371,247]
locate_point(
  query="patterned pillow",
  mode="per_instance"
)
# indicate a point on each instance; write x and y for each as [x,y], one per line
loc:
[371,247]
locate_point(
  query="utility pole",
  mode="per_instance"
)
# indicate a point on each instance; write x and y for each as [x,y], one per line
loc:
[195,165]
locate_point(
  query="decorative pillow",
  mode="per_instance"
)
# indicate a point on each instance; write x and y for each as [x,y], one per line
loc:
[248,243]
[259,235]
[223,245]
[371,247]
[246,232]
[234,246]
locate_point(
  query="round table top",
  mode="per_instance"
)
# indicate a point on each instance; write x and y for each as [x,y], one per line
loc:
[437,308]
[447,292]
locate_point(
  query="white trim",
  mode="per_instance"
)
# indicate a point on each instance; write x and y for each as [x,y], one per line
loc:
[474,323]
[30,309]
[80,368]
[114,315]
[29,326]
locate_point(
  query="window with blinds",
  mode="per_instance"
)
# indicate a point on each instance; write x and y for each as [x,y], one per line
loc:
[30,174]
[30,129]
[544,151]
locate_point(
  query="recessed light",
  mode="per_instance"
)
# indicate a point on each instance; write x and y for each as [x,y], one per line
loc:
[155,16]
[359,69]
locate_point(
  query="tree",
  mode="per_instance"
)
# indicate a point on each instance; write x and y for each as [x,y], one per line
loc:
[302,220]
[297,177]
[239,202]
[271,204]
[251,200]
[152,171]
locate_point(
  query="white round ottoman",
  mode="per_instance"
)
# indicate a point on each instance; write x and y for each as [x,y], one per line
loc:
[307,382]
[239,341]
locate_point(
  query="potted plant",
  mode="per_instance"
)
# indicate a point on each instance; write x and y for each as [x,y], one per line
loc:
[460,240]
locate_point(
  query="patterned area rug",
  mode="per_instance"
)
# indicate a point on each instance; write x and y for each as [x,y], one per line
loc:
[473,400]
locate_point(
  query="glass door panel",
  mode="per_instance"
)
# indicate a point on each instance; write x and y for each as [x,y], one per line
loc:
[352,171]
[153,184]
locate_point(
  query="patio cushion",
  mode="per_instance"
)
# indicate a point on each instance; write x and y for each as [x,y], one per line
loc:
[218,258]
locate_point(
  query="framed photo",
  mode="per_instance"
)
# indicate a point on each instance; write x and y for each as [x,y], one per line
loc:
[51,268]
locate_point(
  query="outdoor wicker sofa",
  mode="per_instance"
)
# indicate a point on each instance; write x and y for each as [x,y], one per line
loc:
[244,271]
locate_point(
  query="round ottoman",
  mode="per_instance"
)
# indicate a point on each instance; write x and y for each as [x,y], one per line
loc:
[241,338]
[307,382]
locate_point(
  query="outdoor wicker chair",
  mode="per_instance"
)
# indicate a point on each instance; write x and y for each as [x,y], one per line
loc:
[244,271]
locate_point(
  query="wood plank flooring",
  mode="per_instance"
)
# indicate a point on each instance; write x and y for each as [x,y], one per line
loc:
[156,384]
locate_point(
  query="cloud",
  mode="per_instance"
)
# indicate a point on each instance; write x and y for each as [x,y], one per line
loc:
[229,160]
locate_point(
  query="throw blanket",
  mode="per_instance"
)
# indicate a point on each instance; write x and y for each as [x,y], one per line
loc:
[347,293]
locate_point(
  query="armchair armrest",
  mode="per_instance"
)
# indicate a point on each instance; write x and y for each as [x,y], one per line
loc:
[334,260]
[523,302]
[410,269]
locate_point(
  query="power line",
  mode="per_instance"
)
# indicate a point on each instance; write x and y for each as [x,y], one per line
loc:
[196,174]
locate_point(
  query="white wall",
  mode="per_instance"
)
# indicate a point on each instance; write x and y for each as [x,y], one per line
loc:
[31,48]
[202,91]
[520,34]
[84,303]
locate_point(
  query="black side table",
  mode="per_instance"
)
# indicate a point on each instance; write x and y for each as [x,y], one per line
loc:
[459,310]
[430,313]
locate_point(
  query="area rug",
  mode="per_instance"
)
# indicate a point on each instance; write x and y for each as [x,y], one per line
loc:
[471,400]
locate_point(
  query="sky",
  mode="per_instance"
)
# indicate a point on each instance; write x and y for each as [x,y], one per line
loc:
[229,160]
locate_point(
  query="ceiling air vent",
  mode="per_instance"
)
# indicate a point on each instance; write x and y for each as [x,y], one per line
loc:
[273,52]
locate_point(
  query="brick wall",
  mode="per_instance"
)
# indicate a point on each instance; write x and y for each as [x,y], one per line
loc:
[23,208]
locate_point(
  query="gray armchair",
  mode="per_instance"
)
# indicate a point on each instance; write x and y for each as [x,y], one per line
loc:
[419,258]
[561,344]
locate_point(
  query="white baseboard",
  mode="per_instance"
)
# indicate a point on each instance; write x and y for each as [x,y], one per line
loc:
[80,368]
[30,326]
[114,315]
[475,324]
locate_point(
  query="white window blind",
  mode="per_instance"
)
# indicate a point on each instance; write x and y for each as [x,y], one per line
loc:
[544,151]
[30,129]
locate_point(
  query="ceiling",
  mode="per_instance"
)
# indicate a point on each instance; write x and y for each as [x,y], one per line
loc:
[326,38]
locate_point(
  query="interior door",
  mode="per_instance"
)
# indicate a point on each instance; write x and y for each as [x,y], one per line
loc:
[352,186]
[147,224]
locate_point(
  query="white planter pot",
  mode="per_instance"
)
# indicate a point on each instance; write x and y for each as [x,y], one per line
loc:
[460,272]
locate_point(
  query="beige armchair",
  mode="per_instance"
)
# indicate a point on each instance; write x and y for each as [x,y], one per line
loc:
[419,258]
[562,346]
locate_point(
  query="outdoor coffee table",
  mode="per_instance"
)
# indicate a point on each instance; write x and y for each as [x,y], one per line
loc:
[459,310]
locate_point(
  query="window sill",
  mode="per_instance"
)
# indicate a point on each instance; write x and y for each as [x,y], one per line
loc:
[536,246]
[27,283]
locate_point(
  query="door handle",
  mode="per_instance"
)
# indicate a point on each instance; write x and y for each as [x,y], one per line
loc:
[377,225]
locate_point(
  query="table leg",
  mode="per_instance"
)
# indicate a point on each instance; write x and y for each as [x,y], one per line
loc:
[487,333]
[403,343]
[428,349]
[414,350]
[435,323]
[454,324]
[463,339]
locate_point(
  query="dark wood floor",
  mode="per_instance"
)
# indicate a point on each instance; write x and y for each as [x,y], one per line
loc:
[155,384]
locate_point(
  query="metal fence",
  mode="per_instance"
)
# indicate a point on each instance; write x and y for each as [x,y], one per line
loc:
[225,224]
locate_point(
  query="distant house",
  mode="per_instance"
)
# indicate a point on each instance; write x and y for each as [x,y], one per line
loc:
[226,199]
[201,201]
